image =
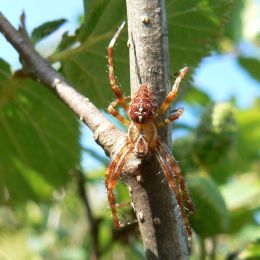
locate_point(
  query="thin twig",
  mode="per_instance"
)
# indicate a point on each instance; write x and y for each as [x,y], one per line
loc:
[93,222]
[122,234]
[203,252]
[212,255]
[105,133]
[147,23]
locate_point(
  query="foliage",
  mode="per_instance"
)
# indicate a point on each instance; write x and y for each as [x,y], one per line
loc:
[32,124]
[251,65]
[46,29]
[214,135]
[251,252]
[84,66]
[40,140]
[211,216]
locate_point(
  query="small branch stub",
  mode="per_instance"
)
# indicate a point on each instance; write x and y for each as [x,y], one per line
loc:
[140,216]
[156,221]
[145,19]
[149,64]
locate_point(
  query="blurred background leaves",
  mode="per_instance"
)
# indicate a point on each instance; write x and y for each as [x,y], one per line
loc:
[42,215]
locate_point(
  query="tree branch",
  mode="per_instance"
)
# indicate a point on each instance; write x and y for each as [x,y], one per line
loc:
[93,222]
[155,207]
[105,133]
[161,228]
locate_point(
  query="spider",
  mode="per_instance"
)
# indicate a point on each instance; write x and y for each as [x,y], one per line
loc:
[142,137]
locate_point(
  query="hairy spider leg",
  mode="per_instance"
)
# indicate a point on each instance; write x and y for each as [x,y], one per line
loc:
[112,110]
[112,174]
[112,78]
[121,205]
[170,97]
[172,162]
[176,114]
[171,181]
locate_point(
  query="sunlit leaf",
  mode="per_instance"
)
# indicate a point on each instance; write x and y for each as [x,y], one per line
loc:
[239,218]
[46,29]
[14,244]
[5,71]
[182,151]
[193,28]
[197,96]
[215,134]
[252,251]
[211,216]
[251,65]
[244,153]
[66,41]
[39,141]
[234,26]
[248,144]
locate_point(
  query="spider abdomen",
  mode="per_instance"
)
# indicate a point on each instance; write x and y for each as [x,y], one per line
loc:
[142,106]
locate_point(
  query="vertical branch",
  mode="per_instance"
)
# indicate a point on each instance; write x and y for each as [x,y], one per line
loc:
[156,208]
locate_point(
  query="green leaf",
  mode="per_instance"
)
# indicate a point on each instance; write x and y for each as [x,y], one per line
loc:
[39,141]
[215,134]
[14,243]
[182,151]
[5,71]
[193,28]
[211,216]
[234,26]
[251,65]
[195,96]
[239,218]
[248,143]
[244,153]
[252,251]
[66,42]
[86,65]
[46,29]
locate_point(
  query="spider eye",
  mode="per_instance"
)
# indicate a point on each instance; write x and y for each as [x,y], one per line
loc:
[141,115]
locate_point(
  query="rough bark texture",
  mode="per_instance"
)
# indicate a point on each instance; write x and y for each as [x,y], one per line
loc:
[155,206]
[105,133]
[157,214]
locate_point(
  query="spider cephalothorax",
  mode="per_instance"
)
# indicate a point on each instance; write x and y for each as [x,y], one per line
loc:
[142,131]
[143,139]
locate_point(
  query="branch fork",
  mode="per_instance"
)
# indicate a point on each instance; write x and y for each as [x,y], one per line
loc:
[158,221]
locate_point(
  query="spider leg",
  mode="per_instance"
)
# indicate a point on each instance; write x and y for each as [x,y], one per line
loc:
[112,174]
[112,110]
[121,205]
[174,165]
[170,97]
[112,78]
[177,113]
[171,181]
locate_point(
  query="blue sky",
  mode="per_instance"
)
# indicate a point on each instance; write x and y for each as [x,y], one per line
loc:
[222,78]
[218,75]
[37,12]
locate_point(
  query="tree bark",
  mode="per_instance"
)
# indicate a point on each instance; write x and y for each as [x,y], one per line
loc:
[105,133]
[158,216]
[155,205]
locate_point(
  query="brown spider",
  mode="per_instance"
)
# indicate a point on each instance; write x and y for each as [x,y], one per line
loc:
[143,139]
